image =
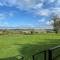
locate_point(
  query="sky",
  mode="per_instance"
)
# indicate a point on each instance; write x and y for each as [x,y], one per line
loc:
[28,13]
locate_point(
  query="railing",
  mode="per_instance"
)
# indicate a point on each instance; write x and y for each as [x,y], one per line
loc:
[44,56]
[54,53]
[50,54]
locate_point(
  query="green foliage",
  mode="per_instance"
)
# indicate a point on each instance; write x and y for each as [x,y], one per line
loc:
[56,24]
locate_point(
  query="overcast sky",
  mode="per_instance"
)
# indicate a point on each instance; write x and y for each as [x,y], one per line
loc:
[28,13]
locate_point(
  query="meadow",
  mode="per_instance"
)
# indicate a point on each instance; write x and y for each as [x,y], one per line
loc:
[26,45]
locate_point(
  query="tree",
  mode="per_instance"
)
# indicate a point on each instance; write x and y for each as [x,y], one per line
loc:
[56,24]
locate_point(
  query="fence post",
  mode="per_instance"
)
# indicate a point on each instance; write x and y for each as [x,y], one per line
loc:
[49,54]
[44,55]
[33,57]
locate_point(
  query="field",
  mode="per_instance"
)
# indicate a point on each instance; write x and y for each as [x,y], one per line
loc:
[26,45]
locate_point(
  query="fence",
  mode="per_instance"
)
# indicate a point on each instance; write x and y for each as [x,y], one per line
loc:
[40,55]
[50,54]
[54,53]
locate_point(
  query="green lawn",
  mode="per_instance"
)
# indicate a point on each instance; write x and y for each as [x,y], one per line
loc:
[26,45]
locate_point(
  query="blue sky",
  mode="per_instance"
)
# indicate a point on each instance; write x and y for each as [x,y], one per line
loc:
[28,13]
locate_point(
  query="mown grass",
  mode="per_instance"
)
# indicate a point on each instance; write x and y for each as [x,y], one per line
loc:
[26,45]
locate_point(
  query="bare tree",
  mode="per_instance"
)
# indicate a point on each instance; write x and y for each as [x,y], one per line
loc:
[56,24]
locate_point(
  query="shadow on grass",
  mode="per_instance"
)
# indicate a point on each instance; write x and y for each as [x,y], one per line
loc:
[28,50]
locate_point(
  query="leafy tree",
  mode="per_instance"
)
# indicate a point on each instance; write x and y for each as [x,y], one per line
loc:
[56,24]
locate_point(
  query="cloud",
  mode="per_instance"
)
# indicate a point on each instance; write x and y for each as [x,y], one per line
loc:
[1,4]
[43,12]
[51,1]
[58,3]
[39,7]
[42,20]
[24,4]
[49,22]
[21,4]
[2,16]
[36,5]
[56,11]
[5,15]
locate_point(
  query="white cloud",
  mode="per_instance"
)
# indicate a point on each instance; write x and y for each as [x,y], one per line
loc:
[25,4]
[58,2]
[5,15]
[1,4]
[2,16]
[11,2]
[51,1]
[49,22]
[42,20]
[56,11]
[38,6]
[43,12]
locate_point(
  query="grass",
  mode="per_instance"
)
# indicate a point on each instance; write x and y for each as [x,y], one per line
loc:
[26,45]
